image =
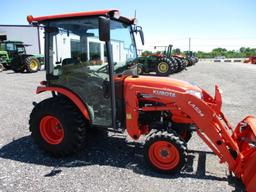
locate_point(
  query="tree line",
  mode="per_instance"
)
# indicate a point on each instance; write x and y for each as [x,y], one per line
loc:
[243,52]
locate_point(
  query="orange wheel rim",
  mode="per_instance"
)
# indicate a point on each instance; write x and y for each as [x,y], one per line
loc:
[164,155]
[51,130]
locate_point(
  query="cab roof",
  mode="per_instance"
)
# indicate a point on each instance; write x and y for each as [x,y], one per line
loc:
[110,13]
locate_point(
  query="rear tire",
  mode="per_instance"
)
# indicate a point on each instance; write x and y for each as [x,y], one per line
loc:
[190,62]
[181,64]
[140,69]
[57,126]
[164,67]
[32,64]
[165,152]
[174,65]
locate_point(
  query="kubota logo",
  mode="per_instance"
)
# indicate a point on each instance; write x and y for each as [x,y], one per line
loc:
[164,93]
[196,108]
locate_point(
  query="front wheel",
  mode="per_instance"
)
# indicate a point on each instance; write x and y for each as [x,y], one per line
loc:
[165,152]
[57,126]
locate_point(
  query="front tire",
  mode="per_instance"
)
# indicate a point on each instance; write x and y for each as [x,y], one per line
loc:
[57,126]
[165,152]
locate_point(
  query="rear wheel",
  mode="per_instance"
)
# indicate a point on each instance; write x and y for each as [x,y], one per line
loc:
[32,64]
[165,152]
[57,126]
[140,69]
[190,62]
[164,67]
[174,64]
[181,64]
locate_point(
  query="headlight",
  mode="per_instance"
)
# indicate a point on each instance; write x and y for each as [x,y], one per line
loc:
[195,93]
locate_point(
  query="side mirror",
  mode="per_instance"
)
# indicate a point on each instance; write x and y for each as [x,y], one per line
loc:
[104,29]
[139,29]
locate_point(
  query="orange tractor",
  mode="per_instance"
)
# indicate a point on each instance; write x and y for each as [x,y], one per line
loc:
[111,94]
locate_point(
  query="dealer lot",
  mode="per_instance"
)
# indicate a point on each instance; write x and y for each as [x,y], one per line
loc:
[108,163]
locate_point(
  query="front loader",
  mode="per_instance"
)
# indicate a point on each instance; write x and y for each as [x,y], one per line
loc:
[109,93]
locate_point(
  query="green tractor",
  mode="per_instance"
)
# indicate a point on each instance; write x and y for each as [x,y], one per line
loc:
[192,59]
[158,63]
[13,56]
[163,63]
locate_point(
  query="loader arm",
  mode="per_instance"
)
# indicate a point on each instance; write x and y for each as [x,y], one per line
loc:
[212,126]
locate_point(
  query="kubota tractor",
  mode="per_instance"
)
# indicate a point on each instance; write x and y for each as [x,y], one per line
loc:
[109,93]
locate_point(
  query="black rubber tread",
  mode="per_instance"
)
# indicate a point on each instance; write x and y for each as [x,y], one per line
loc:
[140,68]
[190,62]
[27,62]
[183,130]
[168,61]
[184,64]
[174,140]
[72,121]
[181,64]
[187,62]
[175,65]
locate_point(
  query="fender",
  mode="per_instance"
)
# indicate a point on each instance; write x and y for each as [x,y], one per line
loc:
[75,99]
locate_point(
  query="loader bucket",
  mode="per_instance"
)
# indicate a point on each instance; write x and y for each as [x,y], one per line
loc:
[245,136]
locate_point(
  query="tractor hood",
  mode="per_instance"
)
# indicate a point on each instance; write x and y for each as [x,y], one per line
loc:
[162,82]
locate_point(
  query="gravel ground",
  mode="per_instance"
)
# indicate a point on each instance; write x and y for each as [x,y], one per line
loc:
[111,163]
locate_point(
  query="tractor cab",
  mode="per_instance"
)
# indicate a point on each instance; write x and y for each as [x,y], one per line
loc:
[84,53]
[13,47]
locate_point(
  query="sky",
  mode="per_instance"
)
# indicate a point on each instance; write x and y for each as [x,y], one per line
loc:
[209,23]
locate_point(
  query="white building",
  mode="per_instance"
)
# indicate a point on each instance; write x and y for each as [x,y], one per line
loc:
[34,36]
[30,35]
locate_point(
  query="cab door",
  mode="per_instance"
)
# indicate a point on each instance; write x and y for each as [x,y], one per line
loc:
[76,62]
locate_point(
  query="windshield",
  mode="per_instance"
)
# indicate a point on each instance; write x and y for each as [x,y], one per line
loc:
[10,47]
[77,42]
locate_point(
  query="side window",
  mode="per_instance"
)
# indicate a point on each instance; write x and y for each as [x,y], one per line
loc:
[95,53]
